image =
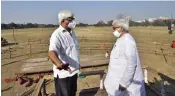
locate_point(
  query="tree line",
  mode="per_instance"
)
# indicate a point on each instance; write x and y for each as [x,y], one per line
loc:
[100,23]
[158,22]
[13,25]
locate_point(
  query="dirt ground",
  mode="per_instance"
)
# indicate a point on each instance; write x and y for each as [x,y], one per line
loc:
[150,41]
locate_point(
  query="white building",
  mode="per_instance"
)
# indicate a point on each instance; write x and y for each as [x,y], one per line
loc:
[163,18]
[152,19]
[140,21]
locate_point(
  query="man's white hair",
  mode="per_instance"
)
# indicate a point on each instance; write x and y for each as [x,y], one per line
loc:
[121,23]
[64,14]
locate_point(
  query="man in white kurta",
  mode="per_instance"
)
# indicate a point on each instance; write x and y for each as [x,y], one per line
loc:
[124,76]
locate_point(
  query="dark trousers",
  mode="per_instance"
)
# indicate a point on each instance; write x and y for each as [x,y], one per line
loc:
[66,86]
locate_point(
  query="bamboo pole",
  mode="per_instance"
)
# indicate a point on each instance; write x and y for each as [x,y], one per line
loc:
[30,50]
[14,35]
[10,53]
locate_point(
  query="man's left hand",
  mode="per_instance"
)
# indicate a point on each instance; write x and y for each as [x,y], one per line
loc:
[121,88]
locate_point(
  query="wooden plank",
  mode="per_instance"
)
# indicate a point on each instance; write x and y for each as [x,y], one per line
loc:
[101,92]
[86,91]
[85,58]
[38,87]
[48,66]
[6,88]
[35,60]
[37,69]
[94,63]
[27,92]
[94,49]
[26,65]
[43,90]
[92,73]
[153,90]
[92,92]
[99,72]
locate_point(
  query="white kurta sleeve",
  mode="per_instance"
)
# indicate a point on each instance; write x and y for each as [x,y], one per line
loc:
[131,57]
[55,44]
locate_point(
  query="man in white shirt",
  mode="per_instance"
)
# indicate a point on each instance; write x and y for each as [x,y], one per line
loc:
[124,76]
[64,53]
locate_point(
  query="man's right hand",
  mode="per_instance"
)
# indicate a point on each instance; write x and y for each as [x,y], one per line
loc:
[60,67]
[64,66]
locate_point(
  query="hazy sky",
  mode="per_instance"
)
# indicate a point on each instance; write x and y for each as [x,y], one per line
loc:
[46,12]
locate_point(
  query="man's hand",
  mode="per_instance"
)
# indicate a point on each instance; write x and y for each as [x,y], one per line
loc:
[65,67]
[60,67]
[121,88]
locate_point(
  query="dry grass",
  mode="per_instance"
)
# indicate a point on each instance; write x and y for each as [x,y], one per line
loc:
[149,40]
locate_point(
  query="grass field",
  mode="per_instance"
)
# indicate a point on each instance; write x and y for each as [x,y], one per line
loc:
[149,42]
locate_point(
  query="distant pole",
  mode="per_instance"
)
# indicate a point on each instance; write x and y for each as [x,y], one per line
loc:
[171,18]
[169,38]
[30,50]
[14,34]
[150,31]
[40,41]
[169,47]
[10,52]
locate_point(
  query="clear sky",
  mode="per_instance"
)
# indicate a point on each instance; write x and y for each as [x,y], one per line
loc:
[45,12]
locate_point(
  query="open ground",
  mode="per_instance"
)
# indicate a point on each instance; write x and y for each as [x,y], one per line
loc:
[153,44]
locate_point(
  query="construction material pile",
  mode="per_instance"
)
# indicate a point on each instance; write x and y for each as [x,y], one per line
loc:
[3,41]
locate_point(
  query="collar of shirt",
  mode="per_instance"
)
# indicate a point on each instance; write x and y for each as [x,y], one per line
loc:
[63,29]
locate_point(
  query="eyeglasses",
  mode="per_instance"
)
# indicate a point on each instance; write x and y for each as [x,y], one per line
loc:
[70,19]
[114,28]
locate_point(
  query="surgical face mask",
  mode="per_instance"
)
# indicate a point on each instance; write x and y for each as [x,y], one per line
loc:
[116,33]
[72,25]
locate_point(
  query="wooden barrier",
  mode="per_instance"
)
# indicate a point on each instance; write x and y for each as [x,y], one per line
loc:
[88,47]
[30,50]
[99,72]
[38,89]
[10,54]
[162,91]
[27,92]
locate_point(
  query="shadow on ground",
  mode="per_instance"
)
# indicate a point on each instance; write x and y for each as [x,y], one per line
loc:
[8,44]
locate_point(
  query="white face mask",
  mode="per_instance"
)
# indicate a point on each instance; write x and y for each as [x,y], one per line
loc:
[72,25]
[116,33]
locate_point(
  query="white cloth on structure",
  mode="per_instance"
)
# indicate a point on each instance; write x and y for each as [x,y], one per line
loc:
[66,47]
[125,69]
